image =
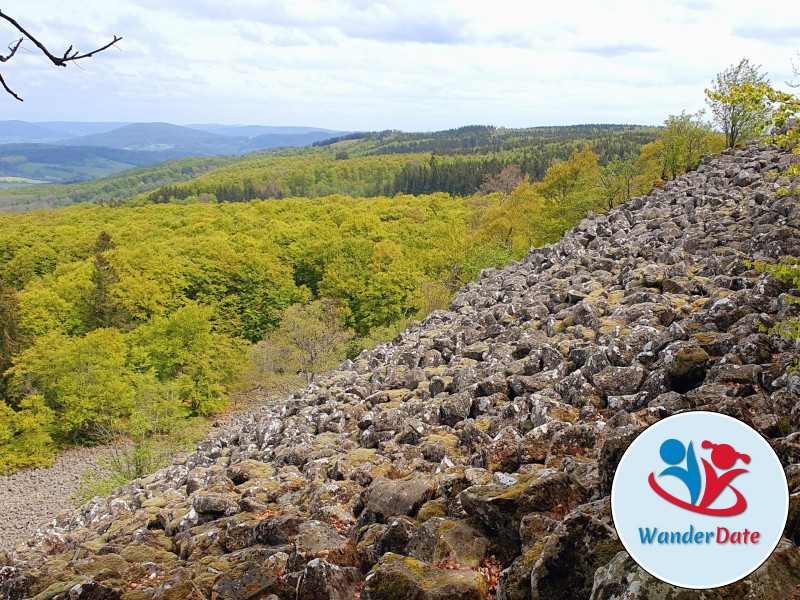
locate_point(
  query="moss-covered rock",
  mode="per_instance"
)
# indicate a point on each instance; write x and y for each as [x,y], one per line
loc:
[440,539]
[248,581]
[686,368]
[396,577]
[565,569]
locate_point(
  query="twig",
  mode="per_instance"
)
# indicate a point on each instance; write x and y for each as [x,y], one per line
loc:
[8,89]
[13,50]
[69,56]
[62,61]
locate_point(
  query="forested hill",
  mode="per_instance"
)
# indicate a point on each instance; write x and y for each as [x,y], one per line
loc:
[386,163]
[454,161]
[609,140]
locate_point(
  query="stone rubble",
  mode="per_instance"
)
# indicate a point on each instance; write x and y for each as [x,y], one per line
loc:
[31,497]
[486,434]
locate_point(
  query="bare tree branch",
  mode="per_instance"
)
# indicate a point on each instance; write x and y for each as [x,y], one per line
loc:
[69,56]
[8,89]
[12,50]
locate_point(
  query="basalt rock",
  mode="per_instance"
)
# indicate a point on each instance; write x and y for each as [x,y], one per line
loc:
[483,440]
[402,577]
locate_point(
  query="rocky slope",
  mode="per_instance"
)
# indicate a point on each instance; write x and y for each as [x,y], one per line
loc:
[33,496]
[473,456]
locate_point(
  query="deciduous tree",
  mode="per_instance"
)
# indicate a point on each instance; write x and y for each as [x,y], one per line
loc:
[503,183]
[311,337]
[564,178]
[738,116]
[12,338]
[617,179]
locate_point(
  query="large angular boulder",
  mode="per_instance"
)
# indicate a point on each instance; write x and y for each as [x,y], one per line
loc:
[397,497]
[566,567]
[321,580]
[249,581]
[398,577]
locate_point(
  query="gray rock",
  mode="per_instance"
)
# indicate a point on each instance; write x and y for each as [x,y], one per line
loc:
[390,497]
[249,581]
[397,577]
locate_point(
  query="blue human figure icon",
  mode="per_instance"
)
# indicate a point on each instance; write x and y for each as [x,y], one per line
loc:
[672,453]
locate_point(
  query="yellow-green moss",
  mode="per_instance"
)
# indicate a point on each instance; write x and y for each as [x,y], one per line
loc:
[605,551]
[110,563]
[135,553]
[484,422]
[609,324]
[92,545]
[431,509]
[434,371]
[157,502]
[615,297]
[56,589]
[325,440]
[565,414]
[135,595]
[448,440]
[532,555]
[117,526]
[360,456]
[511,491]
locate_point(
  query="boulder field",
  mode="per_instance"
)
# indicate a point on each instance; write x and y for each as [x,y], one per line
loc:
[472,457]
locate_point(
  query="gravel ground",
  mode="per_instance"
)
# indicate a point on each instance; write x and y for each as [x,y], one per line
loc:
[31,497]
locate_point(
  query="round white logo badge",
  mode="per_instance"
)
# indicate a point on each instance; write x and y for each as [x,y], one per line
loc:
[700,500]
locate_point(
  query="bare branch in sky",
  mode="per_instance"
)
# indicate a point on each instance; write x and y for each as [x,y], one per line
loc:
[60,61]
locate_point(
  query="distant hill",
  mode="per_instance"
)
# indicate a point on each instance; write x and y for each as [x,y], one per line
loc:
[281,140]
[48,163]
[22,131]
[191,141]
[75,128]
[252,131]
[161,136]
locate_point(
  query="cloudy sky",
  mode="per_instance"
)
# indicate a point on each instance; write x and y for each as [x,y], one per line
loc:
[392,64]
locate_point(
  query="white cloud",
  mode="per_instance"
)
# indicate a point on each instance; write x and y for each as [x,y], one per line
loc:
[411,64]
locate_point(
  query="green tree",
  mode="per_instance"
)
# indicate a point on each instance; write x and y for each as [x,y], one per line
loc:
[617,179]
[684,139]
[183,351]
[103,307]
[311,337]
[565,178]
[25,434]
[739,117]
[85,380]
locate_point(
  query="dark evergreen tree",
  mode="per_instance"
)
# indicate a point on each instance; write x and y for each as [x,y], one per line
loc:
[104,310]
[12,339]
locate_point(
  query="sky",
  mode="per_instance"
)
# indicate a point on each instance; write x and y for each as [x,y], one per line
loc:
[414,65]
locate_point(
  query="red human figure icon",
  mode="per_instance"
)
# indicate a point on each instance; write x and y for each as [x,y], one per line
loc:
[724,457]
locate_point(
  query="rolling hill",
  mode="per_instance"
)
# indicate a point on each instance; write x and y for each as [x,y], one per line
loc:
[159,137]
[189,141]
[323,168]
[22,131]
[48,163]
